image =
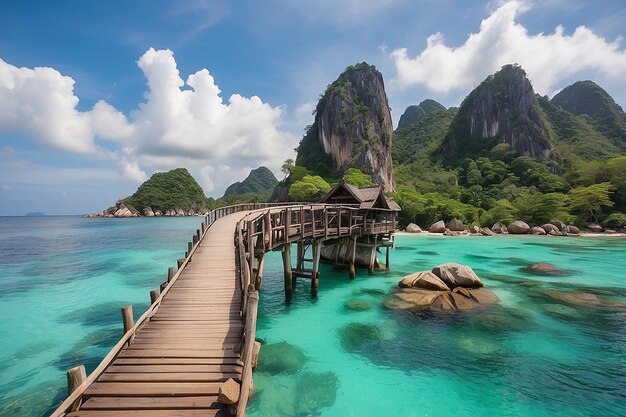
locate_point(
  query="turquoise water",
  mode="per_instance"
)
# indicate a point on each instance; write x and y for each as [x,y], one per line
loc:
[530,355]
[63,280]
[62,283]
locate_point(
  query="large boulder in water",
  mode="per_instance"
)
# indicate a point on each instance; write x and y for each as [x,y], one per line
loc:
[413,228]
[438,227]
[314,392]
[456,225]
[455,275]
[424,279]
[576,298]
[485,231]
[518,227]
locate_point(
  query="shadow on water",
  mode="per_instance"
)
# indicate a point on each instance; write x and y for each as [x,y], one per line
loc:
[39,400]
[90,350]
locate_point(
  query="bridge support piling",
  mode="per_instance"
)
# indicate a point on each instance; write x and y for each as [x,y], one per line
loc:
[387,258]
[317,248]
[287,271]
[154,294]
[352,259]
[127,320]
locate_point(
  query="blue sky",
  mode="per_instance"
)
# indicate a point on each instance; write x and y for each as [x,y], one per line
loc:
[97,96]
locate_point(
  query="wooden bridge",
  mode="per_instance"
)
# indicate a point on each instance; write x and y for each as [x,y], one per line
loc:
[193,351]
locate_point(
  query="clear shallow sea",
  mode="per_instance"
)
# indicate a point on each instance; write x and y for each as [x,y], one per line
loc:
[63,280]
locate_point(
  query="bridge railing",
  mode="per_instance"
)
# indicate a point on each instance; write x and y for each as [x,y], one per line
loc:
[272,227]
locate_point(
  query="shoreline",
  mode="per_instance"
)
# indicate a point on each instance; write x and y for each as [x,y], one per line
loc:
[583,235]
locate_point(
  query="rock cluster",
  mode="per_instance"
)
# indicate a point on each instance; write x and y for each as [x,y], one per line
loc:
[446,287]
[121,209]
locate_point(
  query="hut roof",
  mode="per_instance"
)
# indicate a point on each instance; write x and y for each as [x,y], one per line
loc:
[365,197]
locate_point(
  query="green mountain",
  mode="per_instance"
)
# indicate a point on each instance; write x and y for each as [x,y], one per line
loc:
[502,109]
[352,129]
[507,153]
[418,112]
[260,181]
[169,190]
[595,107]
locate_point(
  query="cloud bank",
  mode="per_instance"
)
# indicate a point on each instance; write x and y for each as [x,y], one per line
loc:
[547,58]
[180,123]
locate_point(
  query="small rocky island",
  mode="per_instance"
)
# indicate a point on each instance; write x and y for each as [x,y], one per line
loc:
[446,287]
[172,193]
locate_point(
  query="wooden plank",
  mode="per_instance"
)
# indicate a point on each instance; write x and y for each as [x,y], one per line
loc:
[178,361]
[167,377]
[175,368]
[151,413]
[151,403]
[134,389]
[177,353]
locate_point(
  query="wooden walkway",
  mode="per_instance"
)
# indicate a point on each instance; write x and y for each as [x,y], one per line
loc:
[178,360]
[200,330]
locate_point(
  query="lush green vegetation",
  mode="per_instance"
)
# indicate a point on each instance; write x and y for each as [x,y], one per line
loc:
[491,182]
[169,190]
[259,182]
[310,188]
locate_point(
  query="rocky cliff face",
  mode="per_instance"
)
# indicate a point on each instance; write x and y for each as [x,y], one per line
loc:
[414,114]
[352,127]
[502,109]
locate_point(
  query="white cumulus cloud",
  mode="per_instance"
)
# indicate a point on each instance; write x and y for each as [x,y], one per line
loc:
[547,58]
[179,121]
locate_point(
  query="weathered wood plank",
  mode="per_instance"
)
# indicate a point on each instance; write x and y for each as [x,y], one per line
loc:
[130,389]
[151,403]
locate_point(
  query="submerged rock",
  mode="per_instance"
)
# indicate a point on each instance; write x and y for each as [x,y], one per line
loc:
[544,268]
[413,228]
[281,357]
[355,336]
[576,298]
[314,392]
[438,227]
[358,305]
[455,275]
[478,346]
[561,310]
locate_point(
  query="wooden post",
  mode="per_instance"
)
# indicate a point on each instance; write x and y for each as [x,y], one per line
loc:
[325,222]
[259,274]
[171,271]
[250,242]
[312,221]
[75,377]
[127,319]
[268,238]
[387,258]
[352,258]
[317,248]
[180,262]
[189,247]
[287,271]
[339,221]
[154,295]
[300,255]
[198,235]
[203,226]
[301,222]
[162,287]
[256,348]
[370,268]
[287,224]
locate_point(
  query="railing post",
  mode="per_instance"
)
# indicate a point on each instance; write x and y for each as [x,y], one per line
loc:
[313,221]
[154,295]
[268,238]
[250,335]
[75,377]
[325,222]
[127,320]
[287,224]
[339,221]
